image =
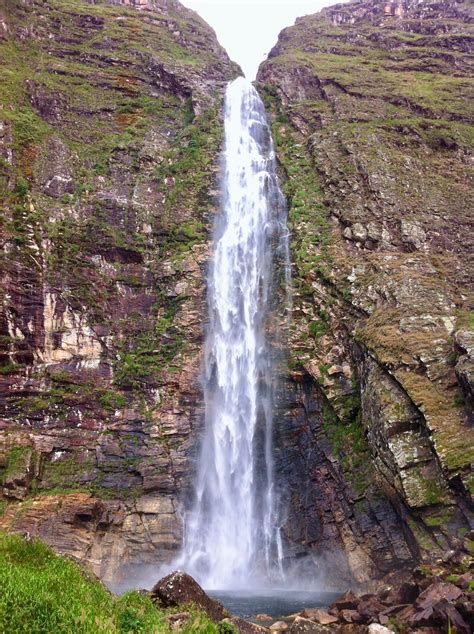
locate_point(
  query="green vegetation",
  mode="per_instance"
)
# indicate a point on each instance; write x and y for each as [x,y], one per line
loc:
[19,459]
[140,360]
[11,368]
[43,592]
[112,400]
[185,175]
[439,519]
[349,443]
[307,214]
[66,474]
[108,124]
[63,393]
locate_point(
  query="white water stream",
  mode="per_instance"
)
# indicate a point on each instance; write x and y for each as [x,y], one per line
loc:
[231,533]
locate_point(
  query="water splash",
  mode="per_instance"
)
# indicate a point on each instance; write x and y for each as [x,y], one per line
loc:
[231,534]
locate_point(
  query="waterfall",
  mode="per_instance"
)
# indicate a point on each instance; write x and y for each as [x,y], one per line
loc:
[231,533]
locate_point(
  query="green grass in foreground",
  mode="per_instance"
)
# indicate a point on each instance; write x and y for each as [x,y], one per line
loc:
[44,592]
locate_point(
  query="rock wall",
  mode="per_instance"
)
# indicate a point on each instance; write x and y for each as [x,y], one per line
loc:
[109,139]
[369,106]
[109,136]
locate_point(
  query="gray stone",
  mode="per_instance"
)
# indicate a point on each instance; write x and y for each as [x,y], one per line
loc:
[359,232]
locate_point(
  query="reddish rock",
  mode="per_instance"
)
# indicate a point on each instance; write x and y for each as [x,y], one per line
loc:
[437,591]
[351,616]
[319,616]
[347,601]
[406,592]
[370,607]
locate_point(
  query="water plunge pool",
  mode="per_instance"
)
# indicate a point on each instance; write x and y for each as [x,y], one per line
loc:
[276,603]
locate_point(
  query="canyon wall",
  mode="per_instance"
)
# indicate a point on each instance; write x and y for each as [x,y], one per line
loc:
[109,138]
[371,119]
[110,131]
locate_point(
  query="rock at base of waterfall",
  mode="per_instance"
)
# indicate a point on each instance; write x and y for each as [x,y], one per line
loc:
[320,616]
[347,601]
[375,628]
[245,627]
[262,617]
[306,626]
[179,588]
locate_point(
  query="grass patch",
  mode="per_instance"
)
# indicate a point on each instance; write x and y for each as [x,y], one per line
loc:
[44,592]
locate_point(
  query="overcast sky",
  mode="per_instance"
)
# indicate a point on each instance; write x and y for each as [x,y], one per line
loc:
[248,29]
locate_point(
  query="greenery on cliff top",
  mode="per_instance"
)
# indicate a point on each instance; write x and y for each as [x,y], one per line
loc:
[44,592]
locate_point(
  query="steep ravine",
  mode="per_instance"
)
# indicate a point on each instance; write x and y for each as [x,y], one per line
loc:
[370,108]
[110,130]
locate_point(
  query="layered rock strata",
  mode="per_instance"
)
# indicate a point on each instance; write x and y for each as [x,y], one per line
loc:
[109,141]
[371,119]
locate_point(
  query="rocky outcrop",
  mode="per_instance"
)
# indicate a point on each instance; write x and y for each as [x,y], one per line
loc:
[369,107]
[180,589]
[435,597]
[102,105]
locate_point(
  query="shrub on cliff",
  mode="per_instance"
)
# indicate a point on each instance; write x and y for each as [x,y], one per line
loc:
[44,592]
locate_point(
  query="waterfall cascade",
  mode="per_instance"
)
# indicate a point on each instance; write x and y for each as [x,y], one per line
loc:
[231,533]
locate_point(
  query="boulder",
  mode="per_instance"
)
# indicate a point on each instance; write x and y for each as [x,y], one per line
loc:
[245,627]
[262,617]
[305,626]
[351,616]
[437,591]
[179,589]
[406,592]
[435,606]
[279,626]
[375,628]
[347,601]
[359,232]
[370,607]
[319,616]
[441,613]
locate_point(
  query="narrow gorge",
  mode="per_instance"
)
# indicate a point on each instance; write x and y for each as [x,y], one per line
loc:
[122,311]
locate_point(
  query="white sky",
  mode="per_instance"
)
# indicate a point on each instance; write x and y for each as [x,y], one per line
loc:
[248,29]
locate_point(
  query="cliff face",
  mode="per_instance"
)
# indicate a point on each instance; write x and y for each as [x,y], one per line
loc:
[109,140]
[109,135]
[370,107]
